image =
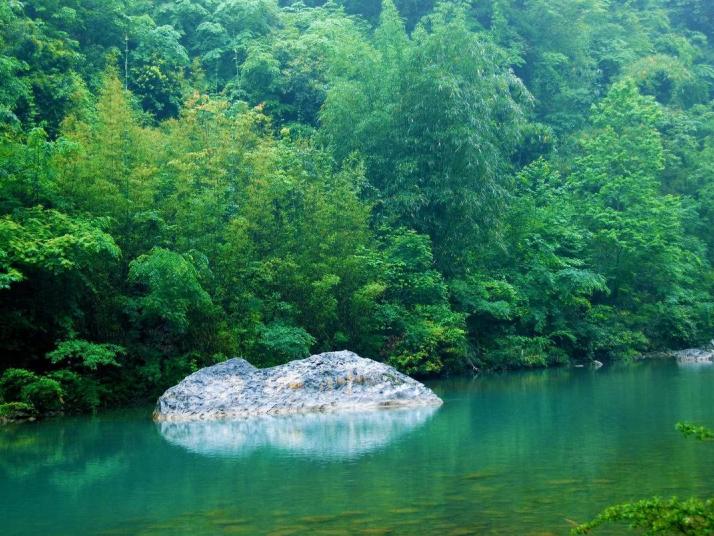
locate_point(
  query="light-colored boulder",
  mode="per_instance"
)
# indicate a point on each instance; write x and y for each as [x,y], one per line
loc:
[695,356]
[328,382]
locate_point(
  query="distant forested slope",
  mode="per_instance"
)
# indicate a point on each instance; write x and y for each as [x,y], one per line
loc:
[442,186]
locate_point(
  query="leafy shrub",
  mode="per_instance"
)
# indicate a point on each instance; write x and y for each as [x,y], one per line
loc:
[45,394]
[433,338]
[16,411]
[85,354]
[80,394]
[693,516]
[282,343]
[515,351]
[615,334]
[13,381]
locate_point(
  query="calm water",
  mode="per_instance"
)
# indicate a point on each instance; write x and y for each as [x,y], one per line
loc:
[509,454]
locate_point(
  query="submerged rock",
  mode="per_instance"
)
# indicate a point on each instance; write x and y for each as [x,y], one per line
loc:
[333,381]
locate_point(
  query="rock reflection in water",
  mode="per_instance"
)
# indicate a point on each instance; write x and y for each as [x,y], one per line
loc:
[322,435]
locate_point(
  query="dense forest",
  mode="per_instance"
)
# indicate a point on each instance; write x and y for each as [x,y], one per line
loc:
[484,184]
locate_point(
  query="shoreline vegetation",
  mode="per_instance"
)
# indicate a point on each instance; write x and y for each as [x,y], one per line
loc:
[27,412]
[444,187]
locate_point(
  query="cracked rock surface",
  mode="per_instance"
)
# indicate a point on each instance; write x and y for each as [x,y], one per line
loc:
[332,381]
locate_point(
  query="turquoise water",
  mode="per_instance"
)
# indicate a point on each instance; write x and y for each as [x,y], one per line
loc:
[522,453]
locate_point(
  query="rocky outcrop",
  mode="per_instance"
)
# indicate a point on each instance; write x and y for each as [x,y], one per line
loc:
[695,356]
[691,356]
[333,381]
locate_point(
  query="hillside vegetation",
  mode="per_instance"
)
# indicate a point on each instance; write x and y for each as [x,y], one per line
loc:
[440,186]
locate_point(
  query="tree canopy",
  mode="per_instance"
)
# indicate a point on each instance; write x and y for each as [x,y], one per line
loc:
[444,186]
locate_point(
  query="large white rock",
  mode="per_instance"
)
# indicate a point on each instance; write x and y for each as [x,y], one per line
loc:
[333,381]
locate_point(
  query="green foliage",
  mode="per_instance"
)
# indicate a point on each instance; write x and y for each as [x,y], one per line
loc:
[85,354]
[52,242]
[699,432]
[13,381]
[79,394]
[51,267]
[16,411]
[281,343]
[533,303]
[428,341]
[62,390]
[424,335]
[158,62]
[518,351]
[436,116]
[659,516]
[662,516]
[638,240]
[442,186]
[41,393]
[44,394]
[172,289]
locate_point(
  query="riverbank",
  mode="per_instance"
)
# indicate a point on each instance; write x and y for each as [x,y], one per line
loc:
[20,412]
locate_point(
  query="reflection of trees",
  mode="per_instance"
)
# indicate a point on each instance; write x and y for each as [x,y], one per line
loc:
[27,450]
[571,441]
[321,435]
[89,473]
[69,453]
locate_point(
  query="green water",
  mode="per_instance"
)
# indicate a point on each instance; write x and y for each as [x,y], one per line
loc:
[510,454]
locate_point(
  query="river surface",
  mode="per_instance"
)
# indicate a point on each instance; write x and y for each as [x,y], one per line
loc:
[517,454]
